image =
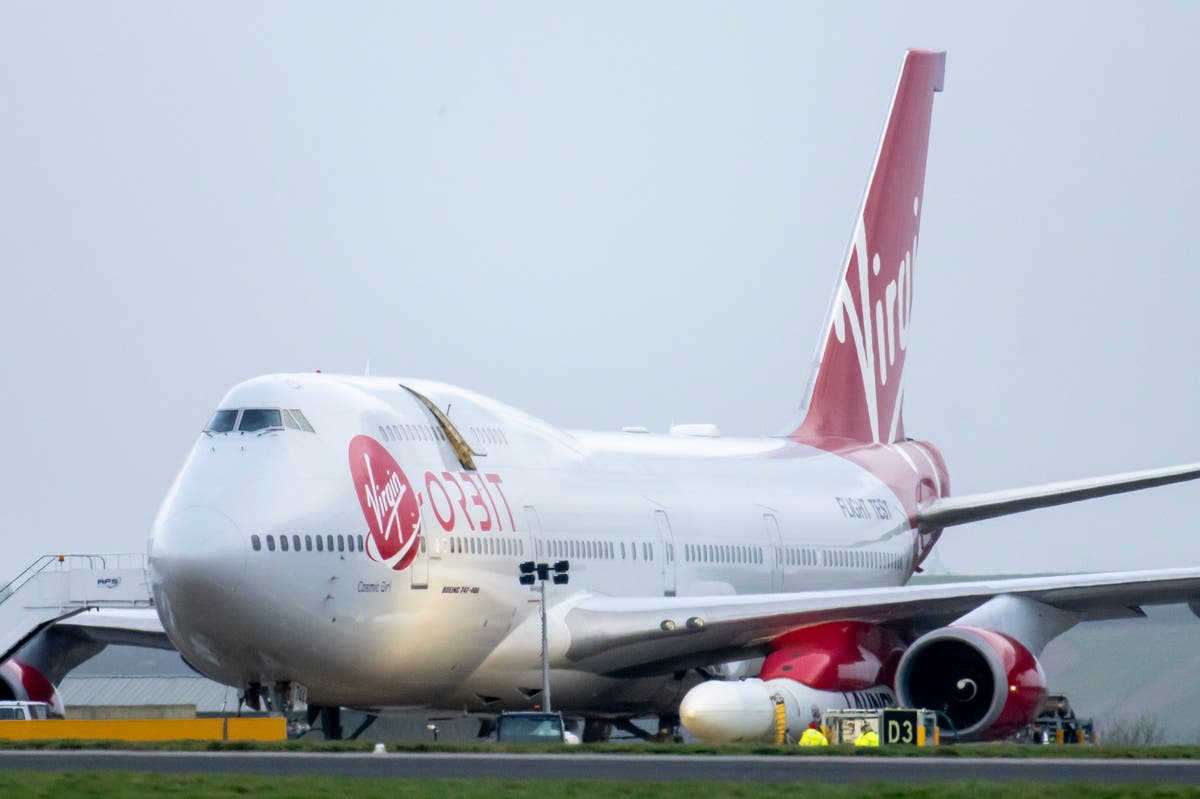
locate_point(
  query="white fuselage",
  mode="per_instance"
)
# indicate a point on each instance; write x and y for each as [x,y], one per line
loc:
[634,514]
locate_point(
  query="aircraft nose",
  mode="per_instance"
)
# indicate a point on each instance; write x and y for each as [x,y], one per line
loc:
[199,552]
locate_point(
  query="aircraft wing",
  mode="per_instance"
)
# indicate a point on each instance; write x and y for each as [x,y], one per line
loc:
[67,643]
[137,627]
[950,511]
[631,636]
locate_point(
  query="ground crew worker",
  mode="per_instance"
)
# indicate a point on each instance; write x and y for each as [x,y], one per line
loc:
[813,736]
[868,737]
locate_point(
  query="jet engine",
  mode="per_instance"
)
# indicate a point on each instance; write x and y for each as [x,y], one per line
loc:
[986,683]
[23,682]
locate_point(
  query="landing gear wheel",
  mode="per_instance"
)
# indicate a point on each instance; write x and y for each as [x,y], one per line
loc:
[596,731]
[668,730]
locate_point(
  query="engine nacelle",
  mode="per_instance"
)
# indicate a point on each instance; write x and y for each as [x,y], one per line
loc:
[987,683]
[23,682]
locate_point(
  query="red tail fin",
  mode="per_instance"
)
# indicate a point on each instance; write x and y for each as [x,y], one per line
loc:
[856,391]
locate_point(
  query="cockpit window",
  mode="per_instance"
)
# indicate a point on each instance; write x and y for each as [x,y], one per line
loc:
[255,420]
[300,420]
[260,419]
[222,421]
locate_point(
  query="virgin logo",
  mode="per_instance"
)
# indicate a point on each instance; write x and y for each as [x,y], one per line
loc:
[388,501]
[876,306]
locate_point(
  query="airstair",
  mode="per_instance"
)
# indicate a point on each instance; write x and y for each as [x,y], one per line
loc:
[54,587]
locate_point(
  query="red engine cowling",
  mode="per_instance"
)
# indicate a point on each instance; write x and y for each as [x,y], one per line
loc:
[836,656]
[23,682]
[987,683]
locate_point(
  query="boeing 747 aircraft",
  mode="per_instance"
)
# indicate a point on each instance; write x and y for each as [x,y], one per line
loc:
[359,538]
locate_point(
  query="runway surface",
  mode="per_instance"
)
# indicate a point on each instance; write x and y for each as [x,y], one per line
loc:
[639,767]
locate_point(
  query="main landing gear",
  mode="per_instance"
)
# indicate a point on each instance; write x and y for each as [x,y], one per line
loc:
[668,730]
[597,731]
[331,720]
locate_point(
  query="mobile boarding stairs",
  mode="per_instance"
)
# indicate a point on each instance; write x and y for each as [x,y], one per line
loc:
[55,587]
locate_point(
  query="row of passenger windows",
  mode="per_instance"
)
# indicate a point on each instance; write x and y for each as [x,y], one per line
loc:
[841,558]
[596,550]
[599,550]
[411,432]
[722,553]
[309,543]
[488,435]
[471,545]
[250,420]
[424,432]
[500,545]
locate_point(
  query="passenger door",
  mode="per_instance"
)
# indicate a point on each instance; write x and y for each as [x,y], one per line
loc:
[419,569]
[774,551]
[668,551]
[530,540]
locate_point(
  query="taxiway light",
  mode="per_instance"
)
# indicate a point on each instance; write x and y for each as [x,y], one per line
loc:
[667,625]
[695,623]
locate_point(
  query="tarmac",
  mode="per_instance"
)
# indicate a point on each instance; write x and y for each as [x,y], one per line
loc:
[441,765]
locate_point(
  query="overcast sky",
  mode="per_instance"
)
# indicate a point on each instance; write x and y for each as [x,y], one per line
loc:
[605,214]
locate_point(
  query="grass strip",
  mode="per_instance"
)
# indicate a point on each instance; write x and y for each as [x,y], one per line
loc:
[118,785]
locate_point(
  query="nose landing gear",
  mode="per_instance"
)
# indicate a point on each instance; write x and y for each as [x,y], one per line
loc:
[286,699]
[253,696]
